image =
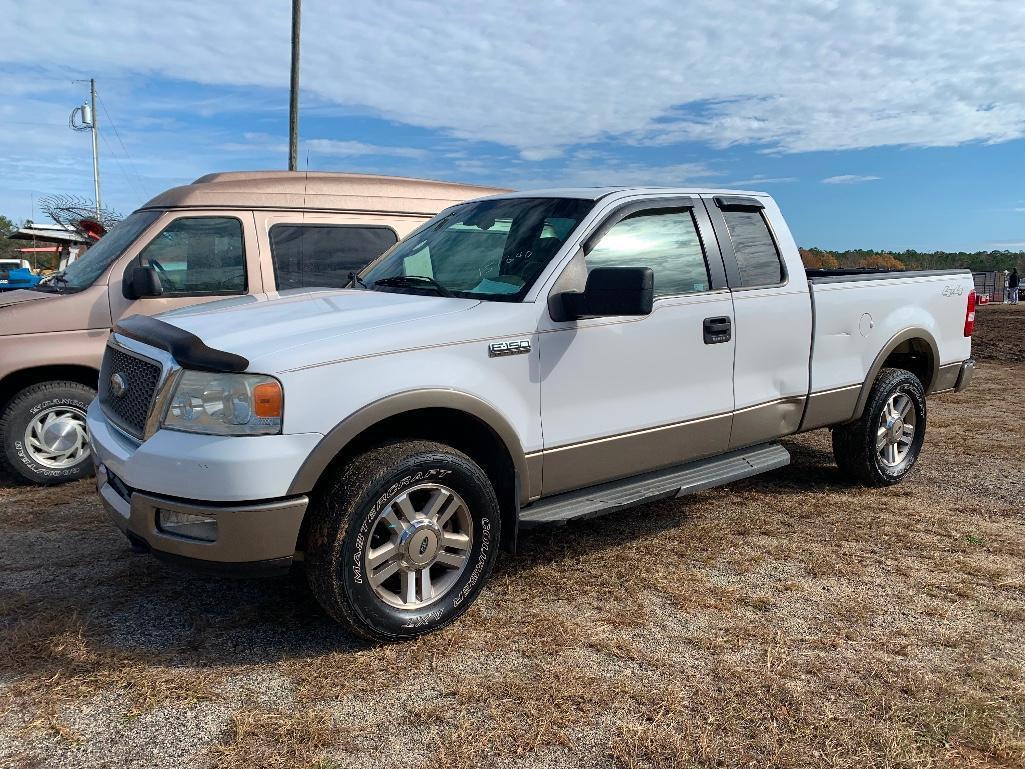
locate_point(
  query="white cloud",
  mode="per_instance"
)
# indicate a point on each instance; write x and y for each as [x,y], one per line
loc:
[759,180]
[352,149]
[791,76]
[849,179]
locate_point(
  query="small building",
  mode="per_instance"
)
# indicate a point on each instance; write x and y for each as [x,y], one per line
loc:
[53,246]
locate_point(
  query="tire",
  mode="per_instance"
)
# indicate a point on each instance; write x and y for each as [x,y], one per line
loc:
[359,513]
[62,403]
[865,449]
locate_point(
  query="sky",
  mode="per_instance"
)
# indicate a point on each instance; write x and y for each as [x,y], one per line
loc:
[889,125]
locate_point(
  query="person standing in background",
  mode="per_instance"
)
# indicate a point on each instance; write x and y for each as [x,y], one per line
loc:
[1012,286]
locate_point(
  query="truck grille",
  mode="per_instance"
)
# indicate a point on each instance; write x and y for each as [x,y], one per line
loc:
[137,380]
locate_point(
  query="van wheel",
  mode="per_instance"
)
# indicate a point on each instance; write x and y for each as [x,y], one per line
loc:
[882,447]
[43,432]
[402,539]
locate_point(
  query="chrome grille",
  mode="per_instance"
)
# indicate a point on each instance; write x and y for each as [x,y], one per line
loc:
[140,377]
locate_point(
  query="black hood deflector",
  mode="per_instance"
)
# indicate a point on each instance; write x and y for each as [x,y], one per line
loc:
[188,349]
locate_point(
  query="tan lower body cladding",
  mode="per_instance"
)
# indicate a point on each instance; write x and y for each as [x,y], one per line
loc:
[578,465]
[620,456]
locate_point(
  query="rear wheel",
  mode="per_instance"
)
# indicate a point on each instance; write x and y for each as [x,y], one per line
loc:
[44,435]
[882,447]
[402,540]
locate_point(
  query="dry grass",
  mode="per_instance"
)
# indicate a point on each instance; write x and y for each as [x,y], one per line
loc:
[788,621]
[275,740]
[53,661]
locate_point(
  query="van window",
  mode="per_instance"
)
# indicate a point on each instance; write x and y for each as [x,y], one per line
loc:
[197,256]
[754,247]
[306,255]
[666,241]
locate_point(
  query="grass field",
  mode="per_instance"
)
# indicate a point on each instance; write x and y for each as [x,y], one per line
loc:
[790,620]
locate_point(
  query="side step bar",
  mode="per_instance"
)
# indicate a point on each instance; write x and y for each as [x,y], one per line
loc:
[662,484]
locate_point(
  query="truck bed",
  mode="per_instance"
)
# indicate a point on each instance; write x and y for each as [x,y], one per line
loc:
[858,313]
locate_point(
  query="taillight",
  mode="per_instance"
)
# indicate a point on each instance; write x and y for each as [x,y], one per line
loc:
[969,315]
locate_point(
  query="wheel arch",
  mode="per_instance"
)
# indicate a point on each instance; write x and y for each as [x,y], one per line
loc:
[16,381]
[458,419]
[913,349]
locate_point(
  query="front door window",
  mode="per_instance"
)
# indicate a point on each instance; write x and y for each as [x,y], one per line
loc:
[199,256]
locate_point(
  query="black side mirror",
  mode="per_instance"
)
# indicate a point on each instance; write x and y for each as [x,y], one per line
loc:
[140,282]
[612,291]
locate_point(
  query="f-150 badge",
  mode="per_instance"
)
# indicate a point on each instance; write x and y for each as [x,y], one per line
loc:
[517,347]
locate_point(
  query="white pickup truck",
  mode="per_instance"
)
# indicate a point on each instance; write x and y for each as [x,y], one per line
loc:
[519,359]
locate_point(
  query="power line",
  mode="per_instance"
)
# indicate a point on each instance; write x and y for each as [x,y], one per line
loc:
[121,167]
[128,155]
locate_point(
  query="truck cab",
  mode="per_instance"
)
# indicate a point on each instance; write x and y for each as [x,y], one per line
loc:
[243,235]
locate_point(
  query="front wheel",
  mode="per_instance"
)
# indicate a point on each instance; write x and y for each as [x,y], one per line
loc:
[403,539]
[44,435]
[882,447]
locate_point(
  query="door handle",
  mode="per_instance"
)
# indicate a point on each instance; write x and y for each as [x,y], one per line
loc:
[718,330]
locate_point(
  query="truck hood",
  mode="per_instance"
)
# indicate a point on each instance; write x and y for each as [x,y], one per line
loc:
[258,327]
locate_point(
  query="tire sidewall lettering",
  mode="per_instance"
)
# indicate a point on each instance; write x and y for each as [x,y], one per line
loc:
[16,449]
[471,581]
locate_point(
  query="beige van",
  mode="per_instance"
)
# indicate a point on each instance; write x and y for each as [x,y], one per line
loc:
[224,235]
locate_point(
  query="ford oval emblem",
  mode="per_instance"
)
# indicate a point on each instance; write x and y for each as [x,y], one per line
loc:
[118,385]
[423,546]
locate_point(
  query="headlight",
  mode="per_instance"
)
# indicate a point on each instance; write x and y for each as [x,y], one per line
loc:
[225,404]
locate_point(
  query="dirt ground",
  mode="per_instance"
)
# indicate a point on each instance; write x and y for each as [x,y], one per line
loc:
[1000,333]
[790,620]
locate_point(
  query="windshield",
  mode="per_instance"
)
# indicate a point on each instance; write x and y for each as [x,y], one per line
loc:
[491,249]
[84,271]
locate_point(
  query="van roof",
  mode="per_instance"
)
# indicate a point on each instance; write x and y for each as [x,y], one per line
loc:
[318,190]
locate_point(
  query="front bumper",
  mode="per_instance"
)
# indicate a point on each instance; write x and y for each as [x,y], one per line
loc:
[217,468]
[251,538]
[172,470]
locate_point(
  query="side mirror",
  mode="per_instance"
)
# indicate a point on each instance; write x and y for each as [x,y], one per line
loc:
[140,282]
[612,291]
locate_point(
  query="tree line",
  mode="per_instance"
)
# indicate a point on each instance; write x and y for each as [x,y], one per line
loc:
[976,261]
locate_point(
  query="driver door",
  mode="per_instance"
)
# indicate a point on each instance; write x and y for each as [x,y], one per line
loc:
[199,257]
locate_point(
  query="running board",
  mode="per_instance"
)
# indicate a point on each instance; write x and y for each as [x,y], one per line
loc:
[662,484]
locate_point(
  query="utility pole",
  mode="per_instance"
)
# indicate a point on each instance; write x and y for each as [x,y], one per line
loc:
[96,148]
[293,101]
[84,118]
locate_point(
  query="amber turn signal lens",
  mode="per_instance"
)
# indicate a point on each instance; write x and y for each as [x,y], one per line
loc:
[267,399]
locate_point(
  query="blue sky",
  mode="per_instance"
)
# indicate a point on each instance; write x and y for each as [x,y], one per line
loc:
[879,125]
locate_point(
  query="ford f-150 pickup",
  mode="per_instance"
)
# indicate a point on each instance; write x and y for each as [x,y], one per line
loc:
[519,359]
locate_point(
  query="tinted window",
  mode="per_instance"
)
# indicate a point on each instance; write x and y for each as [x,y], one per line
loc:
[666,241]
[490,249]
[199,255]
[306,255]
[756,252]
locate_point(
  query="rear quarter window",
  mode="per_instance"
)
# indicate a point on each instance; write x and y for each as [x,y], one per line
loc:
[757,256]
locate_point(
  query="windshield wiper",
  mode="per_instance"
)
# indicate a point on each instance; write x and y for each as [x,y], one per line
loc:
[52,283]
[413,281]
[356,280]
